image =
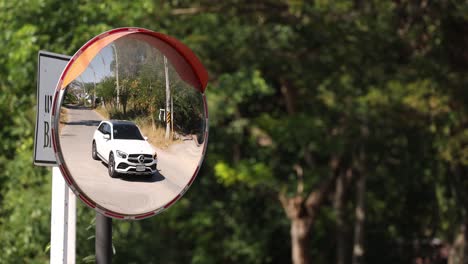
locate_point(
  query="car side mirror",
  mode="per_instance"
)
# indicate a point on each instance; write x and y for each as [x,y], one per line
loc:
[146,138]
[106,136]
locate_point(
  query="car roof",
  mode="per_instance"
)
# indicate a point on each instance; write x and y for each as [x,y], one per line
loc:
[121,122]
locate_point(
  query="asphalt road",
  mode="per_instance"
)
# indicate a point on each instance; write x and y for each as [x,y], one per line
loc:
[127,194]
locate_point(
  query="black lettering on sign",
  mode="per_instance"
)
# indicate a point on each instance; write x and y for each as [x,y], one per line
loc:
[48,103]
[46,135]
[47,107]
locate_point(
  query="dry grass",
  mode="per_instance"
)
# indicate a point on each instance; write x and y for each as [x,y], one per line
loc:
[63,118]
[102,111]
[157,136]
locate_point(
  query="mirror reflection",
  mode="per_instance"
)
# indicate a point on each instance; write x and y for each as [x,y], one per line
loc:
[131,130]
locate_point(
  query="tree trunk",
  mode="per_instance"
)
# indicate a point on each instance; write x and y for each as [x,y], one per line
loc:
[300,230]
[338,205]
[461,244]
[289,95]
[465,242]
[456,254]
[153,122]
[124,105]
[301,223]
[302,213]
[358,247]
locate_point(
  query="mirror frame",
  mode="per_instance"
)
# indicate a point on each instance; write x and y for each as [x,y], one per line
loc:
[176,51]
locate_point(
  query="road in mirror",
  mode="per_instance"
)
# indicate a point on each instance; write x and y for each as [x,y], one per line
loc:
[131,130]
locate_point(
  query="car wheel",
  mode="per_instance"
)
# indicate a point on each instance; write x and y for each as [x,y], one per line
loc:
[111,167]
[94,152]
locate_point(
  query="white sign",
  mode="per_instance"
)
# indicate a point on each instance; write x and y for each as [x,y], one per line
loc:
[50,67]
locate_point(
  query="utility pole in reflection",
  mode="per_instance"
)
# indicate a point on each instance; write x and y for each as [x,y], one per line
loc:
[93,103]
[172,117]
[168,101]
[116,74]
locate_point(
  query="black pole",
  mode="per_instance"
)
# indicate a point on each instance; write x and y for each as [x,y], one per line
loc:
[103,239]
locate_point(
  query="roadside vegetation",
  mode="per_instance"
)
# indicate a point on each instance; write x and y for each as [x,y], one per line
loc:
[156,134]
[338,129]
[63,118]
[102,112]
[138,90]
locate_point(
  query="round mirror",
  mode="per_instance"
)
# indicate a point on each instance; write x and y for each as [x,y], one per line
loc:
[130,122]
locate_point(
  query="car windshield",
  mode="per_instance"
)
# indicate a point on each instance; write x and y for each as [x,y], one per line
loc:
[127,131]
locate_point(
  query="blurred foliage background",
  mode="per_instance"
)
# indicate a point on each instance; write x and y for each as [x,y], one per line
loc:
[337,131]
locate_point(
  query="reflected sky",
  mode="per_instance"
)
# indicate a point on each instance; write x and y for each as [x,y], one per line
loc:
[99,66]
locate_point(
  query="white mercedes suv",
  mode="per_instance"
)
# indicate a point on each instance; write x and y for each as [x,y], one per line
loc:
[121,145]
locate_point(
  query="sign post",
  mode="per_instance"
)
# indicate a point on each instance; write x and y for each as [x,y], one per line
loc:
[63,221]
[103,242]
[63,212]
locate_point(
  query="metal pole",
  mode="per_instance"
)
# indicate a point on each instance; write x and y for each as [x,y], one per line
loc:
[71,245]
[117,75]
[58,239]
[103,239]
[172,117]
[168,101]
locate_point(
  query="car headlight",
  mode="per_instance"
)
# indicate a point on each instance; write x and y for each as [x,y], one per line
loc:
[155,156]
[121,154]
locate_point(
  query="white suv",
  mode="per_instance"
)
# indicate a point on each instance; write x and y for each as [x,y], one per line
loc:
[121,145]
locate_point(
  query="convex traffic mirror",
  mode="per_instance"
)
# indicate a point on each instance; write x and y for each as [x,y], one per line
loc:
[130,122]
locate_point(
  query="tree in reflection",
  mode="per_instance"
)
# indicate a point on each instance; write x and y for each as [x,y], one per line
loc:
[135,90]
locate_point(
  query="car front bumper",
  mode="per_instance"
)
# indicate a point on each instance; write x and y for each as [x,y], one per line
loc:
[126,167]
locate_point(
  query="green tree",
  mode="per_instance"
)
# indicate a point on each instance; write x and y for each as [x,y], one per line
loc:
[306,99]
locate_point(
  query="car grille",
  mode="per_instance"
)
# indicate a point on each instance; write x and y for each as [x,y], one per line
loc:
[134,158]
[134,170]
[137,155]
